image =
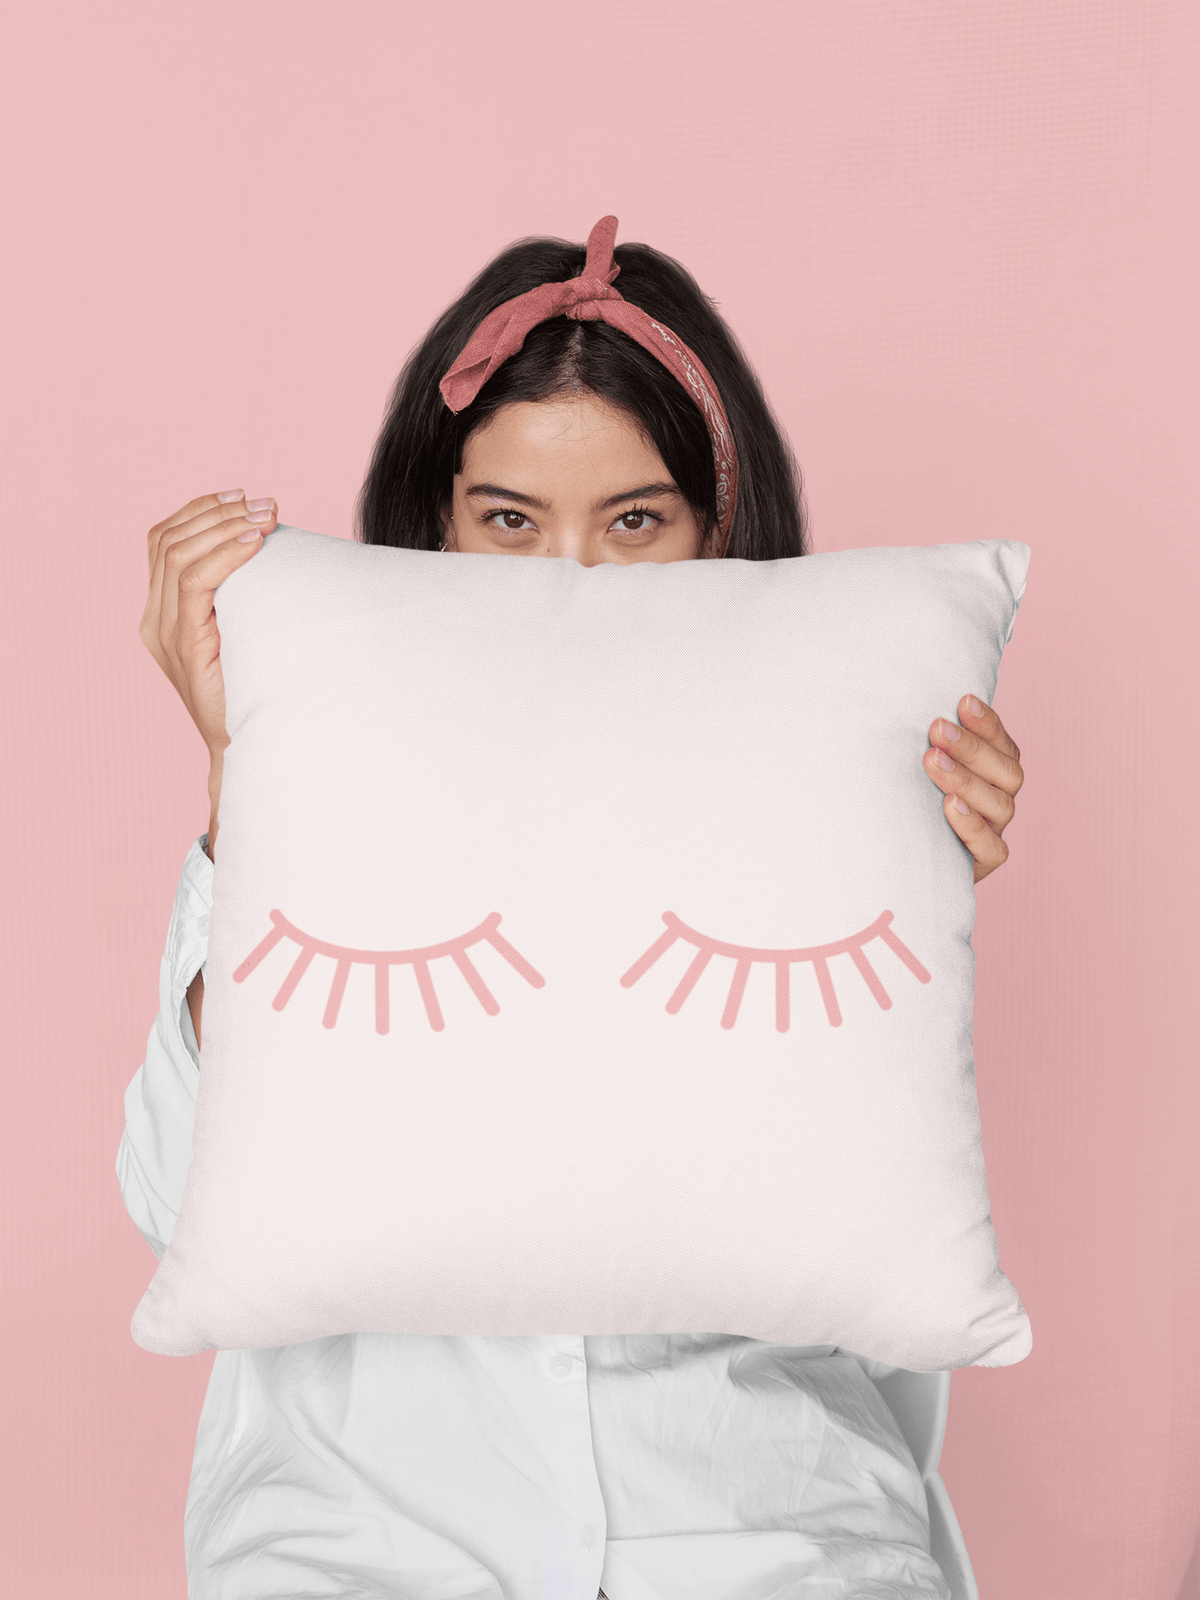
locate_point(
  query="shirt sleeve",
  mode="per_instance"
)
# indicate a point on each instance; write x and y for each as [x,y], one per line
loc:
[160,1102]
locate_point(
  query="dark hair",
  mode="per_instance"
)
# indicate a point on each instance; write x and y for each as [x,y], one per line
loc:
[419,448]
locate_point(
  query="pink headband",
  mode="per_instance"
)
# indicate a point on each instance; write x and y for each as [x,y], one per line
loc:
[586,298]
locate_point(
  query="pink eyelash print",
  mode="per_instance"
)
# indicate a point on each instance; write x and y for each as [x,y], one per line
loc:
[746,955]
[382,960]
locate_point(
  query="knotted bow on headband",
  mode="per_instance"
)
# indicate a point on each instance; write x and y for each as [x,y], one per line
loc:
[587,298]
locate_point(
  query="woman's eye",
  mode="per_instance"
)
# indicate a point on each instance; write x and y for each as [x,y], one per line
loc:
[642,520]
[507,526]
[636,521]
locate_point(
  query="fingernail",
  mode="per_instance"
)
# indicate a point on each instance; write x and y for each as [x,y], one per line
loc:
[975,707]
[960,804]
[231,494]
[265,504]
[944,761]
[258,516]
[250,533]
[949,730]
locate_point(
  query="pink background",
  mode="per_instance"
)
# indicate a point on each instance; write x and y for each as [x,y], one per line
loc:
[960,245]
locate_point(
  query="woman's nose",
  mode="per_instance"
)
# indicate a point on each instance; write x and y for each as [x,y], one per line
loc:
[576,547]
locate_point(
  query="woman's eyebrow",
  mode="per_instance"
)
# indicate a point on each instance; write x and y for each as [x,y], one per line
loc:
[642,492]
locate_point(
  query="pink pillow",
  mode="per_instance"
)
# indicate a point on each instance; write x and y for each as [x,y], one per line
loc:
[590,954]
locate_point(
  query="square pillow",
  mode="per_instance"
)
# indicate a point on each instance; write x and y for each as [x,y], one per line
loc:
[590,954]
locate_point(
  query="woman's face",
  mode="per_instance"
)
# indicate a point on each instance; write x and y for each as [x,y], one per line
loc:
[564,477]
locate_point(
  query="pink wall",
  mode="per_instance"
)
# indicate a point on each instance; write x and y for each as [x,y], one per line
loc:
[960,244]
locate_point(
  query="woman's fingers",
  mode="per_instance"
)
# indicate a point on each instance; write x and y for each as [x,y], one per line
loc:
[204,512]
[183,549]
[196,585]
[995,805]
[167,536]
[201,511]
[978,767]
[982,840]
[982,720]
[192,553]
[982,757]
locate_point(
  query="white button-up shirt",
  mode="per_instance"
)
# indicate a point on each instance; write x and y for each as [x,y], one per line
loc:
[682,1466]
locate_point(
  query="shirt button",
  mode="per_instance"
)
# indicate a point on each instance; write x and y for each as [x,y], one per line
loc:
[202,924]
[587,1536]
[560,1366]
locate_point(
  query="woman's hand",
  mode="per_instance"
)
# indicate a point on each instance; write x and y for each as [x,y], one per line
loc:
[978,767]
[190,554]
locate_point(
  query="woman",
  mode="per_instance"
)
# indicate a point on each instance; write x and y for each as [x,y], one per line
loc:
[545,413]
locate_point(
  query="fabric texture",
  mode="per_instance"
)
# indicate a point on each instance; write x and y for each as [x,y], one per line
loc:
[664,1467]
[522,862]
